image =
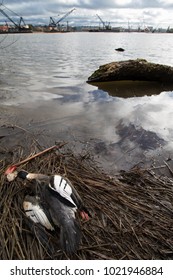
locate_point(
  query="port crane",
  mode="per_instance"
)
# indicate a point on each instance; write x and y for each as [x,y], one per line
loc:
[54,23]
[105,25]
[20,26]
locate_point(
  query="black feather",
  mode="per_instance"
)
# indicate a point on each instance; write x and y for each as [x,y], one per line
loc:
[22,174]
[64,217]
[43,236]
[70,237]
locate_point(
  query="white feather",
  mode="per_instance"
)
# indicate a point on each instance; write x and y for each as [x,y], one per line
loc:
[36,214]
[63,188]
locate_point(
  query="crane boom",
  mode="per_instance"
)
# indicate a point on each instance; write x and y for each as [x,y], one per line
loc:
[19,26]
[100,20]
[65,16]
[53,23]
[104,24]
[10,19]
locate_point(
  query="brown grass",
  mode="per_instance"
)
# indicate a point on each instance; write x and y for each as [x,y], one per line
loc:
[132,213]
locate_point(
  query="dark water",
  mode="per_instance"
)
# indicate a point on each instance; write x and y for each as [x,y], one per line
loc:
[43,87]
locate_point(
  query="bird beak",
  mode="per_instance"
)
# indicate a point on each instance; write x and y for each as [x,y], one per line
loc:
[10,169]
[11,173]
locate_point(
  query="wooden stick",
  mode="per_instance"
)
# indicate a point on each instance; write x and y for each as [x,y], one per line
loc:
[169,168]
[39,154]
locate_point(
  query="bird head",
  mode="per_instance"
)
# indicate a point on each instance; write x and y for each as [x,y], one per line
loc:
[11,173]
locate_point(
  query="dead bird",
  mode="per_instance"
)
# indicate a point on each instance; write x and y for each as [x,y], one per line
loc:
[54,206]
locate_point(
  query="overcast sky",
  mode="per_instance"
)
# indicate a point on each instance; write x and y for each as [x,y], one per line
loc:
[158,13]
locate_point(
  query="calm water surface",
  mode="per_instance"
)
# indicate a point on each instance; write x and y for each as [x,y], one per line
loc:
[43,86]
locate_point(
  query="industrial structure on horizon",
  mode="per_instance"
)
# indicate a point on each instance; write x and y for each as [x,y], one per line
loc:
[13,23]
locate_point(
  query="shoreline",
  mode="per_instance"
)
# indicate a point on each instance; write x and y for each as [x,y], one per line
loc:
[14,134]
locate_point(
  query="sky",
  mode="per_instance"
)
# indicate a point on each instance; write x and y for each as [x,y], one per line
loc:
[156,13]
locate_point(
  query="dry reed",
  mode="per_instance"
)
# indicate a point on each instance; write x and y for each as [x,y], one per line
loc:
[132,213]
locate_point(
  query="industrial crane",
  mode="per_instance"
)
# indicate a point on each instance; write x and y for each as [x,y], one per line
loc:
[105,26]
[54,23]
[20,26]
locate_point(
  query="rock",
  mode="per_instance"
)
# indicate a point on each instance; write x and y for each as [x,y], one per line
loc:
[120,50]
[135,70]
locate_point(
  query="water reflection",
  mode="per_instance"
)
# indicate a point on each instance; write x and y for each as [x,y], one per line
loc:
[129,89]
[145,139]
[121,131]
[43,89]
[139,128]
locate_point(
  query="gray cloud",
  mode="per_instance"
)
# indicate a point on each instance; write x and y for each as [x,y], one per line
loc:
[90,4]
[39,11]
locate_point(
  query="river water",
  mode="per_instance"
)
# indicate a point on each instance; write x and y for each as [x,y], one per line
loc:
[43,87]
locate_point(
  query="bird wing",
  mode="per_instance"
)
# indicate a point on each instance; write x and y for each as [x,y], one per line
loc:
[36,213]
[68,195]
[63,187]
[63,216]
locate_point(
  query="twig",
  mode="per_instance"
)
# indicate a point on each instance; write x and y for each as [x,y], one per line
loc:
[169,168]
[39,154]
[156,167]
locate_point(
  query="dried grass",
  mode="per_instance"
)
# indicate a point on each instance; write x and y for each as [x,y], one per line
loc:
[132,213]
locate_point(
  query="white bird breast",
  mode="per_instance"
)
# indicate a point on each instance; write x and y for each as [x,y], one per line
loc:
[36,214]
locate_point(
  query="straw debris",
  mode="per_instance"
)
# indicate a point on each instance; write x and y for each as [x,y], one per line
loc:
[132,213]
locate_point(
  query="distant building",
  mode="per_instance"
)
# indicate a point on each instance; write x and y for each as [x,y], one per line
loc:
[3,28]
